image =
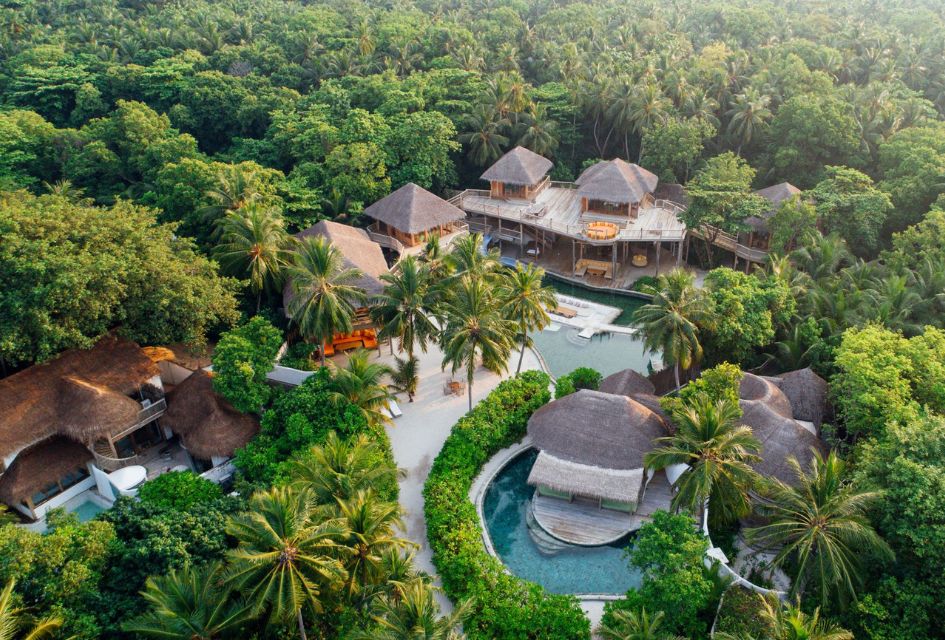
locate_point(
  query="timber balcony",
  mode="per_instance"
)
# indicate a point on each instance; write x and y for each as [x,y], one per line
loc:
[107,457]
[412,244]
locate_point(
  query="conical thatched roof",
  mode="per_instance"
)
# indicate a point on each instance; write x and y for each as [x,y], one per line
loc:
[598,429]
[775,194]
[627,383]
[586,480]
[94,411]
[616,181]
[413,209]
[781,438]
[359,251]
[652,402]
[33,405]
[40,465]
[753,387]
[519,166]
[207,424]
[807,393]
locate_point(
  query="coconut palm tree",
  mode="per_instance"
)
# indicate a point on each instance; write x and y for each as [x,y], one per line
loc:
[190,604]
[483,137]
[284,561]
[370,526]
[360,383]
[748,116]
[15,625]
[235,188]
[791,623]
[412,612]
[475,331]
[525,301]
[323,291]
[718,452]
[821,526]
[670,321]
[406,377]
[403,308]
[635,625]
[467,257]
[253,244]
[339,468]
[538,132]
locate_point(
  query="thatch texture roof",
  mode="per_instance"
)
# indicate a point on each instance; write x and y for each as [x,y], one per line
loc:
[616,181]
[94,411]
[652,402]
[781,438]
[597,429]
[40,465]
[759,389]
[359,251]
[413,209]
[775,194]
[807,393]
[49,398]
[207,424]
[519,166]
[627,383]
[586,480]
[186,356]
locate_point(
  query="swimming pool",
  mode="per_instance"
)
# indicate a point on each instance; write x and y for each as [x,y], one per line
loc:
[626,303]
[87,510]
[563,351]
[558,567]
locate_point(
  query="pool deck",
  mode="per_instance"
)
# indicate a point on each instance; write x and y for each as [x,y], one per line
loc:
[590,317]
[584,523]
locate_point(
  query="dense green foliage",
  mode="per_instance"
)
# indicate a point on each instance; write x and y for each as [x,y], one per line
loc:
[179,490]
[241,360]
[741,614]
[580,378]
[505,607]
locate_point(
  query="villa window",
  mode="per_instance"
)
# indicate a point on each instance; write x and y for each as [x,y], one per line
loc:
[70,479]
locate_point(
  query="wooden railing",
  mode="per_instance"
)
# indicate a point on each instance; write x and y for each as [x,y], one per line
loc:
[730,242]
[106,460]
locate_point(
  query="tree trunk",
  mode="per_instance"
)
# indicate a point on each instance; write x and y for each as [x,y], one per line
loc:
[640,154]
[469,392]
[258,300]
[676,373]
[301,624]
[322,352]
[521,356]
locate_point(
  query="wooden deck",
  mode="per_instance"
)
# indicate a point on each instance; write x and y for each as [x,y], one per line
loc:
[583,522]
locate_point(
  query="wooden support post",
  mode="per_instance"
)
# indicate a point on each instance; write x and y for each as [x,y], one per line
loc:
[573,258]
[679,248]
[613,272]
[659,247]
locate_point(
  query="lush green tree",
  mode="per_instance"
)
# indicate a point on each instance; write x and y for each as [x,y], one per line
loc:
[360,384]
[718,452]
[526,301]
[794,220]
[921,241]
[286,562]
[912,162]
[70,272]
[28,146]
[720,382]
[418,150]
[793,623]
[821,525]
[404,308]
[179,490]
[190,604]
[476,331]
[15,624]
[358,171]
[405,377]
[748,117]
[634,625]
[242,359]
[673,147]
[370,524]
[412,611]
[849,205]
[322,290]
[670,321]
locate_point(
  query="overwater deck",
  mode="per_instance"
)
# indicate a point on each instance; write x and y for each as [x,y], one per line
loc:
[584,523]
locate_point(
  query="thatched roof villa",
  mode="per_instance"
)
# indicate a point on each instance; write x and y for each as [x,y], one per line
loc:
[615,187]
[776,195]
[358,250]
[520,174]
[411,215]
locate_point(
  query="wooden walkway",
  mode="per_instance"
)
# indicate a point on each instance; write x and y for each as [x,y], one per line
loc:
[584,523]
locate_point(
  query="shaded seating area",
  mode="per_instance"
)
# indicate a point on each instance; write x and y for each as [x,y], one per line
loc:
[357,339]
[615,187]
[601,268]
[520,174]
[411,215]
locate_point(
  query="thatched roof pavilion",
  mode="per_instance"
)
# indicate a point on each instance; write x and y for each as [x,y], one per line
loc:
[763,390]
[206,423]
[359,251]
[520,166]
[40,465]
[616,181]
[775,194]
[80,392]
[628,382]
[807,393]
[781,437]
[412,210]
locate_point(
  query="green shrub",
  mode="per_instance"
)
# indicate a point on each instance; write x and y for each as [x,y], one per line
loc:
[580,378]
[242,359]
[643,283]
[299,356]
[564,386]
[741,614]
[505,607]
[179,490]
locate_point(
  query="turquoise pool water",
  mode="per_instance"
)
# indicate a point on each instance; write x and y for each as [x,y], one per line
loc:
[563,351]
[88,510]
[598,570]
[627,304]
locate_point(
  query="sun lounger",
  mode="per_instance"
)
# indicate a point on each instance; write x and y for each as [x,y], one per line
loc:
[564,312]
[394,409]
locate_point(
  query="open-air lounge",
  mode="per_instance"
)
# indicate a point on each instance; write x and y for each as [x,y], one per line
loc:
[407,218]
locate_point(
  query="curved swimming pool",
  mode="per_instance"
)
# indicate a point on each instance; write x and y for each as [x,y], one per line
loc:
[558,567]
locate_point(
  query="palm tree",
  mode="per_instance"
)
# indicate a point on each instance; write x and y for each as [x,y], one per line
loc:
[284,561]
[718,451]
[190,604]
[406,377]
[13,624]
[235,188]
[323,291]
[339,468]
[403,308]
[526,301]
[467,257]
[635,625]
[821,526]
[253,244]
[370,523]
[748,116]
[791,623]
[475,330]
[650,107]
[483,135]
[538,132]
[360,383]
[412,612]
[669,322]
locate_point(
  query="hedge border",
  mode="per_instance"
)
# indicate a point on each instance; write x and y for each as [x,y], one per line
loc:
[505,606]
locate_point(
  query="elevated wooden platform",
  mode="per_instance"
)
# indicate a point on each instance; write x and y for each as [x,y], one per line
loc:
[583,522]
